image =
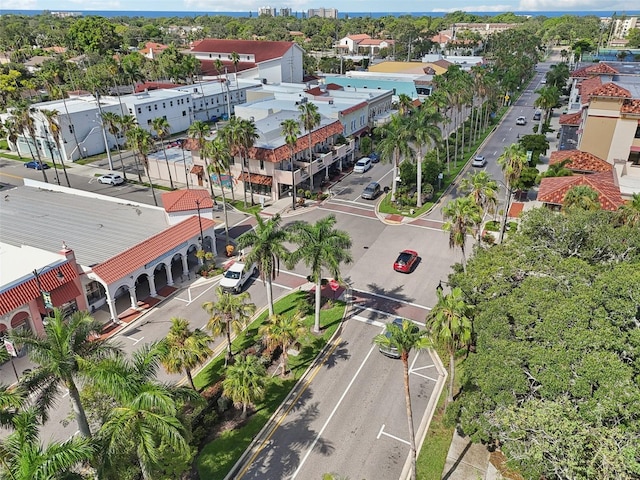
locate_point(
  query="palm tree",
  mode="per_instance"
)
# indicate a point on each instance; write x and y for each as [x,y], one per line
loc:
[245,382]
[231,313]
[235,59]
[51,117]
[62,355]
[450,324]
[582,197]
[548,98]
[394,146]
[310,119]
[246,138]
[199,130]
[12,399]
[291,131]
[629,212]
[28,127]
[13,132]
[126,124]
[483,190]
[462,214]
[266,241]
[424,126]
[111,120]
[185,349]
[320,246]
[512,161]
[404,339]
[282,331]
[141,140]
[558,170]
[218,151]
[23,457]
[163,128]
[405,104]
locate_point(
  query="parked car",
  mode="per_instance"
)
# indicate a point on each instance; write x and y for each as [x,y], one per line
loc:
[479,161]
[371,191]
[237,275]
[375,158]
[537,115]
[362,165]
[111,179]
[521,121]
[406,261]
[390,350]
[36,165]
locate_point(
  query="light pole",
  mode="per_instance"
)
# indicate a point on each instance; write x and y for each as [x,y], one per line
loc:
[200,223]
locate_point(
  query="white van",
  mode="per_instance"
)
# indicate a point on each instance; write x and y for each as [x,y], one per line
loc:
[362,165]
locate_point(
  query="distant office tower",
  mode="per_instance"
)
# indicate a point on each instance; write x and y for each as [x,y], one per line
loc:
[322,12]
[267,11]
[285,12]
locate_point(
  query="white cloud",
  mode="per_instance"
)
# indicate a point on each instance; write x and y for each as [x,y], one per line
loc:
[20,4]
[218,6]
[477,8]
[97,5]
[579,5]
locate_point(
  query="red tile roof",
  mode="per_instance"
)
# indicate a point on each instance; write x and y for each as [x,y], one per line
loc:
[185,200]
[443,63]
[141,87]
[571,119]
[262,50]
[358,36]
[580,161]
[354,108]
[334,86]
[610,90]
[631,105]
[27,291]
[600,68]
[150,250]
[587,86]
[257,179]
[553,189]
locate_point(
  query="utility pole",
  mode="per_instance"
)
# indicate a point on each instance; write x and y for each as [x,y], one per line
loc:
[104,132]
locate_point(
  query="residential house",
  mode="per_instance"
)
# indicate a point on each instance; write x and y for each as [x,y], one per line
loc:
[363,44]
[151,49]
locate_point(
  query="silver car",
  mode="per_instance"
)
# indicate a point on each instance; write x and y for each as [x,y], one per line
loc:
[371,191]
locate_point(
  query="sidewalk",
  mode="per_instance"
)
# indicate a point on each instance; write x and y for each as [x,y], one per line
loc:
[467,461]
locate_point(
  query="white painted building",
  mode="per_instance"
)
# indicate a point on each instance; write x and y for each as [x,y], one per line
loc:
[172,104]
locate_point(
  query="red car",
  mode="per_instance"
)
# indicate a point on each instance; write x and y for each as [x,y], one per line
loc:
[406,261]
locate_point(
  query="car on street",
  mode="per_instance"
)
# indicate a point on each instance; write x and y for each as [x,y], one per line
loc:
[391,350]
[406,261]
[537,115]
[371,191]
[237,275]
[479,161]
[375,158]
[36,165]
[111,179]
[362,165]
[521,121]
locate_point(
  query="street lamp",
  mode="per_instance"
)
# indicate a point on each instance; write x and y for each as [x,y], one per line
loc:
[200,223]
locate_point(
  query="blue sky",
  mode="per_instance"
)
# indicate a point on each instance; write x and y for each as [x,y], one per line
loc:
[350,6]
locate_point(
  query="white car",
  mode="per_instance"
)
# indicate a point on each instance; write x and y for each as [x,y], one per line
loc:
[237,275]
[521,121]
[362,165]
[479,161]
[111,179]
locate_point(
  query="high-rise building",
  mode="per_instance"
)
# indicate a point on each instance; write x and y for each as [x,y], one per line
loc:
[267,11]
[322,12]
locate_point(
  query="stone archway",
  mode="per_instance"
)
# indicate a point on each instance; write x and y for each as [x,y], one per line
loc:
[160,276]
[176,267]
[142,286]
[192,260]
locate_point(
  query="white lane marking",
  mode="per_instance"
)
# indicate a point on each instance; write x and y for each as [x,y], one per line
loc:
[368,321]
[382,432]
[281,286]
[361,205]
[135,340]
[349,213]
[390,298]
[333,412]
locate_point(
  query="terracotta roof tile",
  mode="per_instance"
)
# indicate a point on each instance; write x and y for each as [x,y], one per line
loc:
[601,68]
[610,90]
[580,161]
[334,86]
[358,36]
[553,189]
[27,291]
[262,50]
[631,105]
[354,108]
[587,86]
[571,118]
[185,200]
[150,250]
[257,179]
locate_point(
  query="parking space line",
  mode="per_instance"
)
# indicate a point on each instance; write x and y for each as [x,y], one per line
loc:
[281,286]
[135,340]
[382,432]
[368,321]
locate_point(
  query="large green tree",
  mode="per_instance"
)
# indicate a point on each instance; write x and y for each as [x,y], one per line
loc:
[244,382]
[282,331]
[93,34]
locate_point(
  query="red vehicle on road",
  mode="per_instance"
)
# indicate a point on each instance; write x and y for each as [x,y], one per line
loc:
[406,261]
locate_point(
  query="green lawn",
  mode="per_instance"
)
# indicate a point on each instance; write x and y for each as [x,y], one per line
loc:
[218,457]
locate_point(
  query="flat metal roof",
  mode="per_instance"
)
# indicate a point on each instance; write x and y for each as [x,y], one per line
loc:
[95,227]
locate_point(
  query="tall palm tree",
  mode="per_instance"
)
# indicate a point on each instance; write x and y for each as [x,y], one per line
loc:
[425,131]
[126,124]
[483,190]
[266,241]
[291,131]
[13,132]
[512,161]
[404,339]
[63,355]
[235,59]
[629,212]
[199,130]
[405,104]
[310,119]
[245,382]
[142,141]
[51,117]
[582,197]
[12,399]
[28,127]
[450,324]
[394,146]
[246,136]
[282,331]
[461,215]
[320,246]
[218,152]
[163,128]
[185,348]
[231,313]
[147,411]
[111,120]
[23,457]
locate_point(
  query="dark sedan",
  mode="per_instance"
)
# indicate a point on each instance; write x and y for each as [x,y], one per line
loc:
[406,261]
[36,165]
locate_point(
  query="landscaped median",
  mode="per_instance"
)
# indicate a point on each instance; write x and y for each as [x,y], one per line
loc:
[231,436]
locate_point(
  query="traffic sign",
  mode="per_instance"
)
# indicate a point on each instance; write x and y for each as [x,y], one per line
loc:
[11,349]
